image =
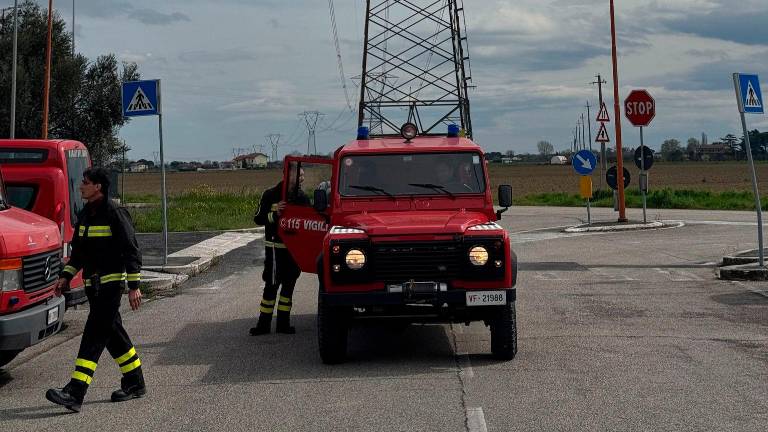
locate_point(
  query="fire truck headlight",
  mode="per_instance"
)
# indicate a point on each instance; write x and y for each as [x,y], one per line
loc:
[10,274]
[478,256]
[355,259]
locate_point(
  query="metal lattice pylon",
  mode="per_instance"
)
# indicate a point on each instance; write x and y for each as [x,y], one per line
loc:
[415,66]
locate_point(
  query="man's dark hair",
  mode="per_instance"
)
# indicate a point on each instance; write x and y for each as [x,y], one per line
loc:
[98,176]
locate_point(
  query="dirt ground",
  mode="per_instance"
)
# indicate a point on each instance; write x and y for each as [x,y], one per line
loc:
[525,179]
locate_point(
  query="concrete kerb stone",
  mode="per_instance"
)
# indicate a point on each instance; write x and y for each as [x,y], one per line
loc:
[744,272]
[744,257]
[161,284]
[614,227]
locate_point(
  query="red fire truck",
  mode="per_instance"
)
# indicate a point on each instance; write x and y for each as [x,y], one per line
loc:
[405,233]
[30,249]
[42,176]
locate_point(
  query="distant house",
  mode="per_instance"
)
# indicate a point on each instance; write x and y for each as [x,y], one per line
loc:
[251,161]
[226,165]
[715,151]
[137,167]
[559,160]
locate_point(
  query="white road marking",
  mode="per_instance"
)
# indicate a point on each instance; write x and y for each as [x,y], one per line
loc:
[476,420]
[219,245]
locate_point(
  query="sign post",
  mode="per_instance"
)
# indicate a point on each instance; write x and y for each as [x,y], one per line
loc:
[142,98]
[584,162]
[640,109]
[750,101]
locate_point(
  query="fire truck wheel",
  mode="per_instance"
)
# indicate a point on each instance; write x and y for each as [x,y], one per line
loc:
[332,332]
[7,356]
[504,333]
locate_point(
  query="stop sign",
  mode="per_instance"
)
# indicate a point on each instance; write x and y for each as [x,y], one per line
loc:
[640,108]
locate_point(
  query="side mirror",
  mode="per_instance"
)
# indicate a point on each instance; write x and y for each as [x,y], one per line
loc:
[321,200]
[505,196]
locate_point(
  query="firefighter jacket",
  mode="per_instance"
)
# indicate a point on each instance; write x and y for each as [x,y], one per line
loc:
[104,244]
[266,214]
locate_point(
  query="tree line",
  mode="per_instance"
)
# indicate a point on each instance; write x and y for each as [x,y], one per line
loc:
[85,100]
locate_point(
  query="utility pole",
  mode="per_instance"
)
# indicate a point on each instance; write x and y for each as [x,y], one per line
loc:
[617,119]
[73,27]
[274,142]
[583,136]
[13,68]
[578,134]
[600,81]
[47,83]
[311,118]
[589,125]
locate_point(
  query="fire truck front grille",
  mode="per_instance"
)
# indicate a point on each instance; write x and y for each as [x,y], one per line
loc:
[432,261]
[40,271]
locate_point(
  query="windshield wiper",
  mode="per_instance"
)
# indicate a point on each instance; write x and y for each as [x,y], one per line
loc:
[437,187]
[372,189]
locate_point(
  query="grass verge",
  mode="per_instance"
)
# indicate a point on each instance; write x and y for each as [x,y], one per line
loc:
[201,209]
[661,199]
[204,209]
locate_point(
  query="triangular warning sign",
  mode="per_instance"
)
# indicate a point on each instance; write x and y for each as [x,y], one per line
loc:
[140,102]
[602,116]
[602,135]
[752,99]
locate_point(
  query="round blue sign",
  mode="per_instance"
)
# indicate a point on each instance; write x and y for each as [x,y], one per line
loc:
[584,162]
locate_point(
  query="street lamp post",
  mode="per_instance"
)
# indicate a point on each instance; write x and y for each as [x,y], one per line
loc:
[13,67]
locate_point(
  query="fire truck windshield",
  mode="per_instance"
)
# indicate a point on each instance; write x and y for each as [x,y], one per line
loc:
[412,174]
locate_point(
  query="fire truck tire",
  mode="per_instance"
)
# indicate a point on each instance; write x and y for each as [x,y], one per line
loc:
[7,356]
[332,333]
[504,333]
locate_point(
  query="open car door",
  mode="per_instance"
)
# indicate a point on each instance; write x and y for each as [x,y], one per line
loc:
[302,228]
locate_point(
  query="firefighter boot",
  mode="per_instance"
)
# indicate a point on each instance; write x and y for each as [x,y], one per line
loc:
[284,323]
[263,326]
[70,397]
[131,387]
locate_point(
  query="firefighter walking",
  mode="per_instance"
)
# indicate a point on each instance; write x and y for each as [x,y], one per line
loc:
[280,270]
[104,247]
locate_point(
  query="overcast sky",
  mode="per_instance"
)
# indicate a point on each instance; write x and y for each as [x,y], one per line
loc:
[236,70]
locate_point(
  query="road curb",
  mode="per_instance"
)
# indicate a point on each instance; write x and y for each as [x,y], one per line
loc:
[749,256]
[743,272]
[623,227]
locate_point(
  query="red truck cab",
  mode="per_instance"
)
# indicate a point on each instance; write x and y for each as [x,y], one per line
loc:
[30,261]
[42,176]
[406,233]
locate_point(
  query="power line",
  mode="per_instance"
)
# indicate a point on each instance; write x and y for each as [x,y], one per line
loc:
[274,142]
[340,63]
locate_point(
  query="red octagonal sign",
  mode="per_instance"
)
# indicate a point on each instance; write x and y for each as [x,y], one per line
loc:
[640,108]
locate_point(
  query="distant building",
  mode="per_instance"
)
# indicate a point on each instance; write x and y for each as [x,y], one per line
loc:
[715,151]
[251,161]
[559,160]
[137,167]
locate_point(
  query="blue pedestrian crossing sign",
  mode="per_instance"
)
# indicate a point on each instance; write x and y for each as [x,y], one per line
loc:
[750,96]
[584,162]
[141,98]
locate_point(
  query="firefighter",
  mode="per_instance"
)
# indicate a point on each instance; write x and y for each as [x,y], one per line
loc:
[104,247]
[280,270]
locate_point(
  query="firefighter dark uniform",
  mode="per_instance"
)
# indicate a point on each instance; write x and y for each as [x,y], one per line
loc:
[280,270]
[104,247]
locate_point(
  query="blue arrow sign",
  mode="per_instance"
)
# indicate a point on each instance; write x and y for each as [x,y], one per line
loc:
[751,97]
[141,98]
[584,162]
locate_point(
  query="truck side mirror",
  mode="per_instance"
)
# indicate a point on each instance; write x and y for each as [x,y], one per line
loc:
[505,195]
[505,199]
[321,200]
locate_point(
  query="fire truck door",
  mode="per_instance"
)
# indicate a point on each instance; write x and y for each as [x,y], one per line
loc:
[301,227]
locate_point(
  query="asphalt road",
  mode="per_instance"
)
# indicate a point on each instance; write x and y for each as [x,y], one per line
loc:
[627,331]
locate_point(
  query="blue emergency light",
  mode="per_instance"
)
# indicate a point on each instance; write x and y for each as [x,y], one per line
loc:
[453,130]
[362,133]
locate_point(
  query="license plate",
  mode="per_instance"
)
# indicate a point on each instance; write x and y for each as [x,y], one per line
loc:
[53,315]
[486,298]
